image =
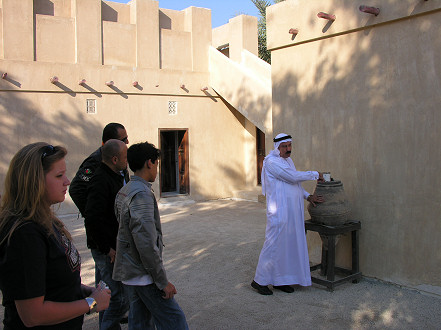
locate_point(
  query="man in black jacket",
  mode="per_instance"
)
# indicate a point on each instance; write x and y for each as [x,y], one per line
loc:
[102,226]
[79,184]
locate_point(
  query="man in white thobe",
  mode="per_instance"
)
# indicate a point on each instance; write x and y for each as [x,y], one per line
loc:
[284,259]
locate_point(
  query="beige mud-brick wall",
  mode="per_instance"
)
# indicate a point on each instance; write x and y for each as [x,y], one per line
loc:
[361,97]
[216,169]
[88,33]
[17,41]
[119,46]
[198,20]
[145,16]
[246,83]
[61,8]
[240,33]
[60,47]
[102,41]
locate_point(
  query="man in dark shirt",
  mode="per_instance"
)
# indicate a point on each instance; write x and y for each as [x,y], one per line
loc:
[79,184]
[102,226]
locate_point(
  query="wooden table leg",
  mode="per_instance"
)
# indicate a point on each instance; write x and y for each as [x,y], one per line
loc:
[331,258]
[355,254]
[324,264]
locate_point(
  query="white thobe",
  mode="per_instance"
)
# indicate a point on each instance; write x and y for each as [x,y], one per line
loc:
[284,257]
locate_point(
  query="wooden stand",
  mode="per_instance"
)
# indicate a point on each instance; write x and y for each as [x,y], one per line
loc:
[327,264]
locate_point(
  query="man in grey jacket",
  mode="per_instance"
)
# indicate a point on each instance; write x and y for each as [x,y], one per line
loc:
[138,262]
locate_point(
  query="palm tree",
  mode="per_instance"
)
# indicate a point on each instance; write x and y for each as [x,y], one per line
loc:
[261,5]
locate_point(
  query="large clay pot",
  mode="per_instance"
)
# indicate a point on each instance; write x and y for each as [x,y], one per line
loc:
[335,209]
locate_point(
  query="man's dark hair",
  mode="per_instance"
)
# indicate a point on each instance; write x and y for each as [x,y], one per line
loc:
[138,154]
[111,131]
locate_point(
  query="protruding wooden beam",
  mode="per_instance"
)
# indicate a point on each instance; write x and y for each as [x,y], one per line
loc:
[369,10]
[329,17]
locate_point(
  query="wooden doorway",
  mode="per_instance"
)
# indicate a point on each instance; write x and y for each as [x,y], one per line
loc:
[260,148]
[174,162]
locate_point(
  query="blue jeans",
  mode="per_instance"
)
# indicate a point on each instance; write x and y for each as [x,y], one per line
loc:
[148,308]
[97,280]
[119,303]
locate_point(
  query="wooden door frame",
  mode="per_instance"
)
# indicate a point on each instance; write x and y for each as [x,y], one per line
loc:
[260,137]
[187,164]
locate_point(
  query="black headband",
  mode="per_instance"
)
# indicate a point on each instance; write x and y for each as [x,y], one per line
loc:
[282,138]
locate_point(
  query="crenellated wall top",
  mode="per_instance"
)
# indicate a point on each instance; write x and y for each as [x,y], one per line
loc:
[105,33]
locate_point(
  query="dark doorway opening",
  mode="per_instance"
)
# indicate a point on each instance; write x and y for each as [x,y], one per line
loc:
[174,162]
[260,148]
[224,49]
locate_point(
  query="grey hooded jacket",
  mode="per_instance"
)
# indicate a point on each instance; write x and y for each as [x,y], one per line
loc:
[139,241]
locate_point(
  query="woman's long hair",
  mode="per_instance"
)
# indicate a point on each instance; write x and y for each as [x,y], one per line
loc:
[25,189]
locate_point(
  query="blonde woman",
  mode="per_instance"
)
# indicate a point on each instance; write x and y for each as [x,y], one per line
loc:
[39,265]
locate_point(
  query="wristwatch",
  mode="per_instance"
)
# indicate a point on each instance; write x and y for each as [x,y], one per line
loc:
[92,305]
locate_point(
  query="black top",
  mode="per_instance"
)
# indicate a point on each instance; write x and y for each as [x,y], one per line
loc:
[79,184]
[100,221]
[34,265]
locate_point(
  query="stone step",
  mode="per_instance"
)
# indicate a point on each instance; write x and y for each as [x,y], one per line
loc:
[175,200]
[254,194]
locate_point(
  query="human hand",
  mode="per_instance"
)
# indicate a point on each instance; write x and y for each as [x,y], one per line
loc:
[112,254]
[169,291]
[102,298]
[86,290]
[320,179]
[315,199]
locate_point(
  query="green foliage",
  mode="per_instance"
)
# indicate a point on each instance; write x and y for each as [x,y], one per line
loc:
[261,5]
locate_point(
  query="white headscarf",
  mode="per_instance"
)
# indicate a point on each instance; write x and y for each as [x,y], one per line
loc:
[280,138]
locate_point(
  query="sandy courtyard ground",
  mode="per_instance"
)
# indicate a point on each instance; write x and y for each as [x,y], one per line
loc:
[211,251]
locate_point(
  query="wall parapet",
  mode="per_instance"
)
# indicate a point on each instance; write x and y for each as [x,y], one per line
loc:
[137,34]
[240,33]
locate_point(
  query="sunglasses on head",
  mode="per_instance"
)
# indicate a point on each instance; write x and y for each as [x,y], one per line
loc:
[48,150]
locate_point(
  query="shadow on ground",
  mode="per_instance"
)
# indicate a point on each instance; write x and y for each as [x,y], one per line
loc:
[211,251]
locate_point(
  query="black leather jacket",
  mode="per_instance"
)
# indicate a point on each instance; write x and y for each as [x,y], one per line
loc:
[100,221]
[79,184]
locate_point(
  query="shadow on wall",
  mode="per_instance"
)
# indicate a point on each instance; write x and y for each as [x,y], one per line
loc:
[108,13]
[45,7]
[24,121]
[254,107]
[366,111]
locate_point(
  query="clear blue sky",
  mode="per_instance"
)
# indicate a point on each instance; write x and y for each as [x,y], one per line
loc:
[221,10]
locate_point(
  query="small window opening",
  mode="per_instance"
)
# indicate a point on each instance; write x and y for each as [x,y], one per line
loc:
[91,106]
[172,108]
